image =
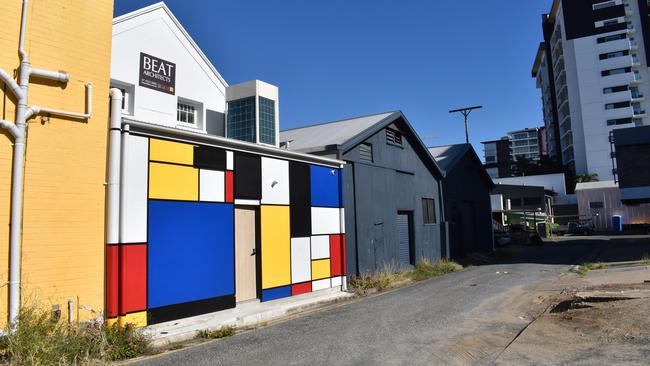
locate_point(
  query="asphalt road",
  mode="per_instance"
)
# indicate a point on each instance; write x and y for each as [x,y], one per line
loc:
[423,324]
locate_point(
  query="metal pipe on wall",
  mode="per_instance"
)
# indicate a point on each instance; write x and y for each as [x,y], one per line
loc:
[113,184]
[18,131]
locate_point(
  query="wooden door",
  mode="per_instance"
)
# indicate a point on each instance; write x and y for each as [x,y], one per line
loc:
[245,254]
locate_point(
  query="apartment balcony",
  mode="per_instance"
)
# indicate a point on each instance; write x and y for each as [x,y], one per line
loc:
[614,46]
[617,97]
[615,63]
[639,113]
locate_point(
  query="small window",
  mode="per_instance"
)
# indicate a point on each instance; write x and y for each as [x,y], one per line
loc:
[615,89]
[365,152]
[618,121]
[617,105]
[186,113]
[611,38]
[429,210]
[393,137]
[596,204]
[606,56]
[603,5]
[621,70]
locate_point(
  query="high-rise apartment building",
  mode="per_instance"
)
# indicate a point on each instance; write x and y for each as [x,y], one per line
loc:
[500,155]
[527,144]
[593,74]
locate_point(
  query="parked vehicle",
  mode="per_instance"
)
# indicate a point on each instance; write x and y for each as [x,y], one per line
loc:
[575,228]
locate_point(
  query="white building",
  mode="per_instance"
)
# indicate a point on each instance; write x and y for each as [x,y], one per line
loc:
[167,80]
[551,182]
[593,73]
[526,144]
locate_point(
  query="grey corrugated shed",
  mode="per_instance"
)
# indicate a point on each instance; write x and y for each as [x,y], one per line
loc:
[447,155]
[332,133]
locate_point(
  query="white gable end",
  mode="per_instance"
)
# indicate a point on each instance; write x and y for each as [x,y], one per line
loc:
[154,31]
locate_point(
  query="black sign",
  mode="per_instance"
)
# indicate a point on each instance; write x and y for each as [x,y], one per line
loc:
[157,74]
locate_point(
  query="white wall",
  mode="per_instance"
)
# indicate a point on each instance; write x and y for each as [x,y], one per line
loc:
[610,196]
[156,33]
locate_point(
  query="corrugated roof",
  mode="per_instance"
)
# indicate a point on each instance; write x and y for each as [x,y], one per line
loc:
[447,155]
[331,133]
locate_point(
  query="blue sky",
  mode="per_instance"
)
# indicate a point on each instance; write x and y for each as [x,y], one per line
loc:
[335,59]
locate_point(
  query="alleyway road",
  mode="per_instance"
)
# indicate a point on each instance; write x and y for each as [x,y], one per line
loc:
[463,318]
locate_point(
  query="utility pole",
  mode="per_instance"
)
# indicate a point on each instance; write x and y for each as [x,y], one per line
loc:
[465,112]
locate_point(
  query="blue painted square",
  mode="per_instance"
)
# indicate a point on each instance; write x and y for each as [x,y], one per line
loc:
[191,252]
[276,293]
[324,186]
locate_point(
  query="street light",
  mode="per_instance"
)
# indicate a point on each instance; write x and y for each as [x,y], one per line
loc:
[465,112]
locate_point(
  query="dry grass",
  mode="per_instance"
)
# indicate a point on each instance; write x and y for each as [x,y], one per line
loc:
[390,276]
[42,339]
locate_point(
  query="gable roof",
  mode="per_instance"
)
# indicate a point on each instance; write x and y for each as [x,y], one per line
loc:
[344,135]
[447,156]
[336,133]
[188,38]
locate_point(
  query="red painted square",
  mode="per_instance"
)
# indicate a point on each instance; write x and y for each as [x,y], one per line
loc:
[300,288]
[112,276]
[344,258]
[229,187]
[133,278]
[336,268]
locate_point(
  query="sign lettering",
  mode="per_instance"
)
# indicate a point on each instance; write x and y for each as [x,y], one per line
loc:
[157,74]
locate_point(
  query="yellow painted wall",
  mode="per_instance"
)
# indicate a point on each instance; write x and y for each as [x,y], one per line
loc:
[65,170]
[171,151]
[173,182]
[276,246]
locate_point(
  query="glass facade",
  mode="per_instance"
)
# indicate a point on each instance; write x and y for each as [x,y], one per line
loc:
[267,121]
[241,119]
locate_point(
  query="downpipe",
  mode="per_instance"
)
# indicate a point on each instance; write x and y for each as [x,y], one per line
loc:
[18,130]
[113,184]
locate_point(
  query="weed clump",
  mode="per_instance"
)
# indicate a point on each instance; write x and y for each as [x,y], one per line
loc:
[585,268]
[645,259]
[215,334]
[41,339]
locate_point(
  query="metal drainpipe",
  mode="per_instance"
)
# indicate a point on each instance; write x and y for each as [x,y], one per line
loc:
[113,185]
[19,131]
[18,174]
[124,153]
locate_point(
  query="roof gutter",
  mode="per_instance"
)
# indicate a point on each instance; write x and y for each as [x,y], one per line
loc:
[148,129]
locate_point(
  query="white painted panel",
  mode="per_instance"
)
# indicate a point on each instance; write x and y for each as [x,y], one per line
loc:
[342,221]
[275,181]
[300,260]
[325,220]
[230,164]
[135,190]
[320,247]
[211,184]
[321,284]
[336,281]
[247,202]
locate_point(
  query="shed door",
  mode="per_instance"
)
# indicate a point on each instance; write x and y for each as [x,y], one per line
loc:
[404,237]
[246,270]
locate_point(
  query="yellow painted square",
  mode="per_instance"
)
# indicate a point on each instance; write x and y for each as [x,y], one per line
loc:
[173,182]
[320,269]
[138,319]
[171,151]
[276,246]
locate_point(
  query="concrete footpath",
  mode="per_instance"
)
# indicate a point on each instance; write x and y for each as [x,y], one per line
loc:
[246,315]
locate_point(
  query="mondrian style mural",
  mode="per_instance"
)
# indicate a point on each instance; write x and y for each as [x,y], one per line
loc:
[178,254]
